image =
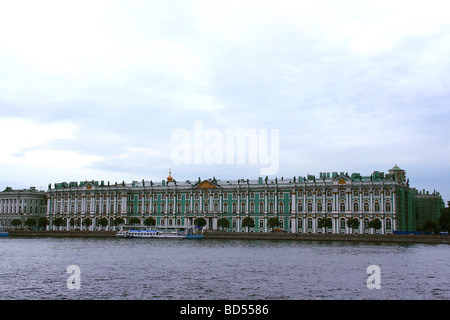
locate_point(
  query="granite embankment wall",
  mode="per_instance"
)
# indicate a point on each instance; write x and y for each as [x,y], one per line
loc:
[77,233]
[329,237]
[259,236]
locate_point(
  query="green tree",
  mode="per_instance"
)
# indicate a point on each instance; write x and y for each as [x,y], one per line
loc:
[102,222]
[43,222]
[16,222]
[150,221]
[72,222]
[118,221]
[353,223]
[87,222]
[30,222]
[444,219]
[223,223]
[273,222]
[248,222]
[134,220]
[200,222]
[58,222]
[375,224]
[325,223]
[430,225]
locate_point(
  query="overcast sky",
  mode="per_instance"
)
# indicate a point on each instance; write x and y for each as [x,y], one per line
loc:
[96,89]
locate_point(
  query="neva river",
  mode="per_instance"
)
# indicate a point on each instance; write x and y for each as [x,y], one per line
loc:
[110,268]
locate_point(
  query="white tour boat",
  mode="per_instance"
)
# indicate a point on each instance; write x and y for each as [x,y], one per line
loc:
[133,231]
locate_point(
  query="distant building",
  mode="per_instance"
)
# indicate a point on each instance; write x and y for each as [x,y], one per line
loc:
[299,203]
[21,204]
[428,207]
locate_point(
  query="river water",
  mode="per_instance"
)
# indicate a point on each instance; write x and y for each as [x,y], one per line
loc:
[112,268]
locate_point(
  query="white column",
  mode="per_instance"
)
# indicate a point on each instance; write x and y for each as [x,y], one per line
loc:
[124,203]
[276,203]
[238,206]
[247,200]
[48,205]
[293,203]
[265,204]
[211,204]
[83,204]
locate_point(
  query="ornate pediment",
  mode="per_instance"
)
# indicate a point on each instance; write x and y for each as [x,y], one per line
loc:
[205,184]
[342,180]
[88,186]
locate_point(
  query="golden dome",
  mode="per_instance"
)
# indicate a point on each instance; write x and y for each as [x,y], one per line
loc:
[169,178]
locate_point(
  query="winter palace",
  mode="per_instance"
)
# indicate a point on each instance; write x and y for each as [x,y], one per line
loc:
[299,203]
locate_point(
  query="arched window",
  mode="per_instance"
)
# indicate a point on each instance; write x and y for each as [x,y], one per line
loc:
[299,223]
[377,207]
[261,207]
[388,224]
[299,207]
[366,223]
[309,207]
[342,207]
[319,207]
[388,207]
[329,207]
[355,207]
[366,207]
[342,223]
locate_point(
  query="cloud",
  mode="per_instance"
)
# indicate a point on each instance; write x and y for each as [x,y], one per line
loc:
[26,151]
[347,83]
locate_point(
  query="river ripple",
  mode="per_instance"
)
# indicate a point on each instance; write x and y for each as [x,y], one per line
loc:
[111,268]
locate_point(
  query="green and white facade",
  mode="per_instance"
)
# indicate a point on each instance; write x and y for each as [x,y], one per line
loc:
[299,203]
[21,204]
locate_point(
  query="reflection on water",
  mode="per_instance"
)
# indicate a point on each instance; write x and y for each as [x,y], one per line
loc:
[35,268]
